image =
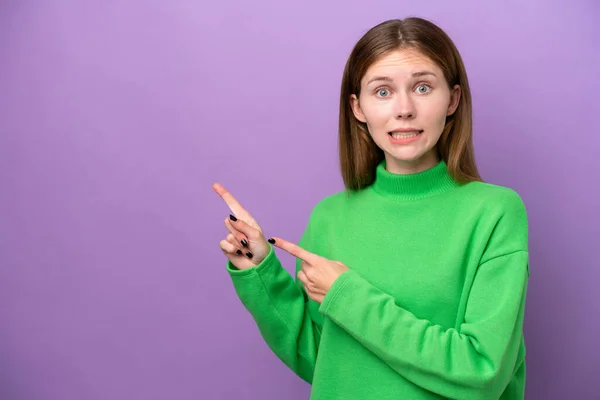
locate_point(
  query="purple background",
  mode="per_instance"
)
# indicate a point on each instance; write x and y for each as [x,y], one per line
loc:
[116,117]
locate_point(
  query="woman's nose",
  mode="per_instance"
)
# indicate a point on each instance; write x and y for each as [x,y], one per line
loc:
[405,108]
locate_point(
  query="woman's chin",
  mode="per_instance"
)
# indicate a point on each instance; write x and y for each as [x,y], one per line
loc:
[411,159]
[405,155]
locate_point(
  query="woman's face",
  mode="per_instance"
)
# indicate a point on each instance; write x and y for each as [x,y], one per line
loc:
[404,101]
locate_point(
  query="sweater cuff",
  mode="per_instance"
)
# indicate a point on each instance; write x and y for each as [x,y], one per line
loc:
[341,288]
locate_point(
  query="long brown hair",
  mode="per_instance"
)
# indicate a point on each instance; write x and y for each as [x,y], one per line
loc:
[359,155]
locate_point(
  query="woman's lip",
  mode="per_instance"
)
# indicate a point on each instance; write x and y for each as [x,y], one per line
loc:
[404,130]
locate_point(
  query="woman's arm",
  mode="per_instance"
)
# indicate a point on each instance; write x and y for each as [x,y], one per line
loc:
[278,307]
[475,361]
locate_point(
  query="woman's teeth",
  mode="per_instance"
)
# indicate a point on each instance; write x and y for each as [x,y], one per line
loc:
[404,135]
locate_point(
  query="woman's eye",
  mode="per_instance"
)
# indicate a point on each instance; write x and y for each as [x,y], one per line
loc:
[423,89]
[383,92]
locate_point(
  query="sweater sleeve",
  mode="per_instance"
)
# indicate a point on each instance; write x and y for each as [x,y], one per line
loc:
[278,305]
[474,361]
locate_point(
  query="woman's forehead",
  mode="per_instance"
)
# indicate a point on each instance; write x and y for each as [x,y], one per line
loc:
[402,62]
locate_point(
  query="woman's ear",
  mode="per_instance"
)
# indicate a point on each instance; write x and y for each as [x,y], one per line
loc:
[355,104]
[454,100]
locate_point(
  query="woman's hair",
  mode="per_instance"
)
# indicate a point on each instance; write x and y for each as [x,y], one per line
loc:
[359,155]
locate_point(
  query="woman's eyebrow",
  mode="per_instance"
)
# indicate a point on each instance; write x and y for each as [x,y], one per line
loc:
[423,73]
[388,79]
[379,78]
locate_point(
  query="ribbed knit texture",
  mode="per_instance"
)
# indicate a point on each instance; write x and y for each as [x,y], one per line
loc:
[432,306]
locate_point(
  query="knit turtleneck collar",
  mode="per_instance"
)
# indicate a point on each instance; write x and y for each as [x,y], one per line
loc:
[415,186]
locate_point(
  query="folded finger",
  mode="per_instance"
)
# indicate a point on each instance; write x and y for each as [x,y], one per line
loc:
[229,248]
[232,239]
[302,277]
[239,236]
[305,266]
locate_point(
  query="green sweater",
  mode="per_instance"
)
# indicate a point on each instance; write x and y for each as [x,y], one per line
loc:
[432,306]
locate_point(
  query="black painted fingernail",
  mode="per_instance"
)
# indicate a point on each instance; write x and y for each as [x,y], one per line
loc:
[231,217]
[250,255]
[239,252]
[244,243]
[271,240]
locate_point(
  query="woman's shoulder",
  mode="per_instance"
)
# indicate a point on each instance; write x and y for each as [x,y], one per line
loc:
[330,202]
[493,196]
[332,205]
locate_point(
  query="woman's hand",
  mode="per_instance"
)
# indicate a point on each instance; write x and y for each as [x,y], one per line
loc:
[245,246]
[317,273]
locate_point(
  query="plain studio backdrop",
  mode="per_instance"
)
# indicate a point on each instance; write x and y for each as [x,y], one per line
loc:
[116,117]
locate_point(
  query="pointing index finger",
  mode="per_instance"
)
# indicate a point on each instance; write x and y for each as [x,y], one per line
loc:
[295,250]
[231,201]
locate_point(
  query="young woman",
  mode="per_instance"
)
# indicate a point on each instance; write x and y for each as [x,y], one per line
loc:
[411,283]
